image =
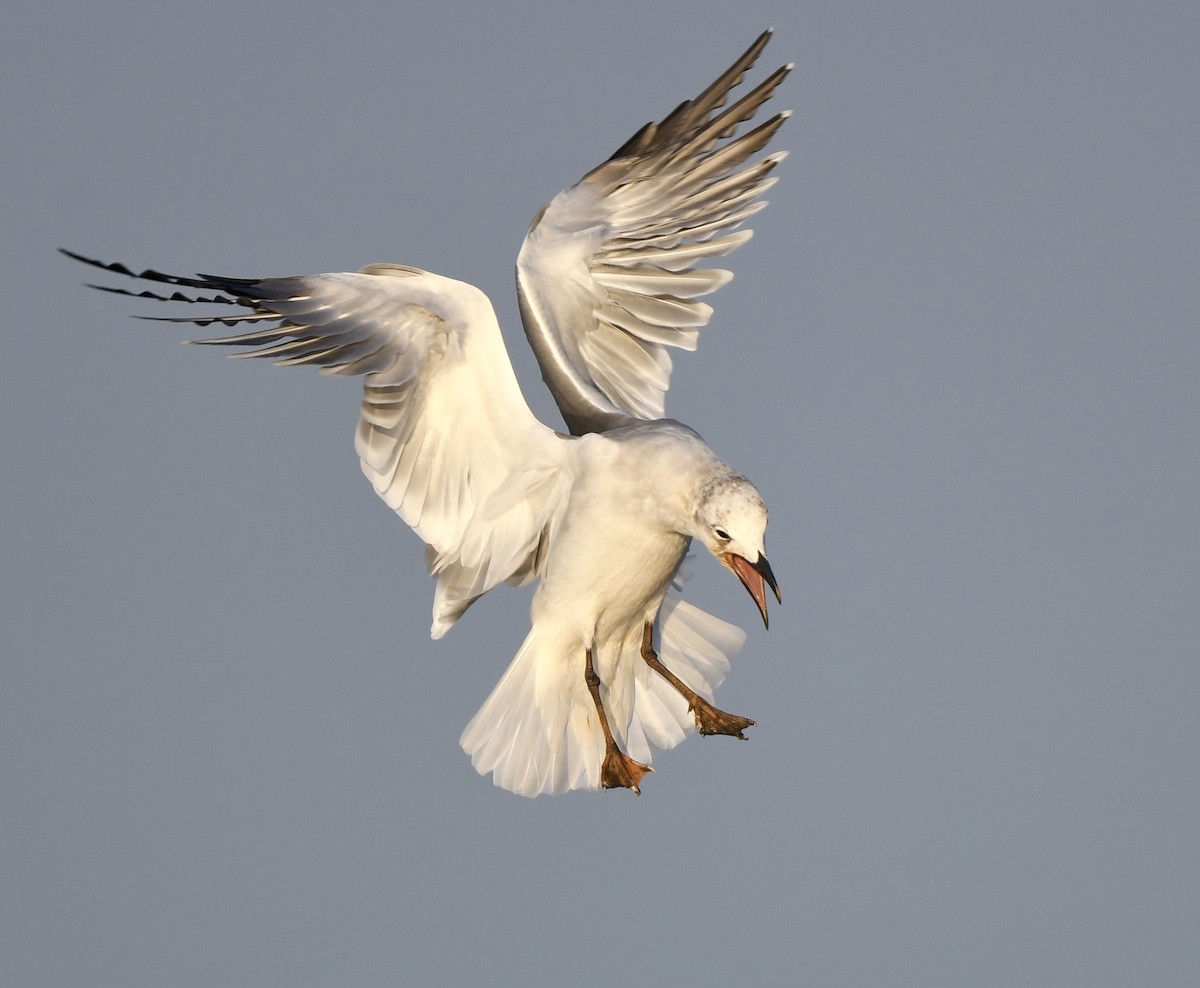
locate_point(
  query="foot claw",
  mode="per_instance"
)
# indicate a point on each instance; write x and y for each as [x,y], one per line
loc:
[619,771]
[710,720]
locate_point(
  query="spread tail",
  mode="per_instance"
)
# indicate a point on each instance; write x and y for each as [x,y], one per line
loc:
[538,731]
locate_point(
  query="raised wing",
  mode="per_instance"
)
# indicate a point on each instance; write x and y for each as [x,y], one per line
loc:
[607,277]
[445,435]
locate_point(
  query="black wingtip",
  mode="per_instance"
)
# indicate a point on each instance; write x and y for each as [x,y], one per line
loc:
[116,267]
[202,281]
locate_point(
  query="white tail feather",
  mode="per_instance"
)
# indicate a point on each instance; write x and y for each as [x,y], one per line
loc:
[538,731]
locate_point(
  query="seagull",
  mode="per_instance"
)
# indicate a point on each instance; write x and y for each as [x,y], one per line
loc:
[603,514]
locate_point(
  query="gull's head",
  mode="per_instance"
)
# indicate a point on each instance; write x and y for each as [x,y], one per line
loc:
[732,521]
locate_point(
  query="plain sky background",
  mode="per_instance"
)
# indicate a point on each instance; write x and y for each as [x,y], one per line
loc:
[960,359]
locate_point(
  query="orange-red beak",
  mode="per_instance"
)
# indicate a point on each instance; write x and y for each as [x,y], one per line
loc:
[755,577]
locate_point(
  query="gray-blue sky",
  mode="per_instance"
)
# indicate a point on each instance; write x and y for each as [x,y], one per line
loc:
[959,358]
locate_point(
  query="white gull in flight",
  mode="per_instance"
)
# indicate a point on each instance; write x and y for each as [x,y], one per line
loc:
[603,516]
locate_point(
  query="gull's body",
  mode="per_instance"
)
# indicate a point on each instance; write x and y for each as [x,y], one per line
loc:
[604,516]
[597,592]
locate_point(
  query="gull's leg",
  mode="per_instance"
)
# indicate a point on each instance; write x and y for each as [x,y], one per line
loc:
[709,720]
[618,771]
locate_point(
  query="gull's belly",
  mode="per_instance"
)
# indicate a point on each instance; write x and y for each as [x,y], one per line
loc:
[634,588]
[603,586]
[620,541]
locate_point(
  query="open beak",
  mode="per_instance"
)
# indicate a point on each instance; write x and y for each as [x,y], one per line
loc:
[755,577]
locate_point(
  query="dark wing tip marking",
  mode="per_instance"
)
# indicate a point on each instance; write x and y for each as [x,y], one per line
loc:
[693,114]
[243,287]
[345,346]
[244,293]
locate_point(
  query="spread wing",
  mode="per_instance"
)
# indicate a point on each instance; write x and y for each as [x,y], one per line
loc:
[607,275]
[445,435]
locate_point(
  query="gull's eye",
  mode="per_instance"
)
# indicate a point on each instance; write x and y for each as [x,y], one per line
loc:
[722,534]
